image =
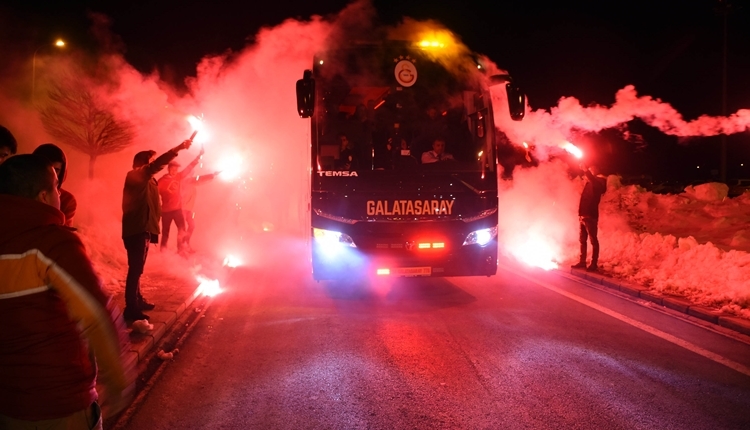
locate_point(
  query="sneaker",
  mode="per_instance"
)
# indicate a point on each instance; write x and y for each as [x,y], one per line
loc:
[581,265]
[592,268]
[134,315]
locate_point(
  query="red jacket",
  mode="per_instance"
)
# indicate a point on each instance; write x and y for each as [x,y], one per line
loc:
[170,188]
[50,297]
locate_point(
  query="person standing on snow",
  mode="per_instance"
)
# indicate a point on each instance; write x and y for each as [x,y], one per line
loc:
[170,190]
[588,215]
[141,210]
[56,156]
[61,334]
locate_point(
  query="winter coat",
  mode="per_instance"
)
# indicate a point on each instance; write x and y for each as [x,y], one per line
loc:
[592,195]
[170,188]
[141,209]
[68,206]
[50,297]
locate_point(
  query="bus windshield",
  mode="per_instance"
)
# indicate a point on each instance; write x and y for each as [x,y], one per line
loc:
[394,108]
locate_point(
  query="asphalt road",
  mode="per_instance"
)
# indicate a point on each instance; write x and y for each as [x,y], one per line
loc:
[518,350]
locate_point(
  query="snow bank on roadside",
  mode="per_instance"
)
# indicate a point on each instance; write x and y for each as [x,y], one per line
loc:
[694,244]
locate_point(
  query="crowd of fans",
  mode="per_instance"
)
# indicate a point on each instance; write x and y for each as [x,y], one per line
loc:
[61,334]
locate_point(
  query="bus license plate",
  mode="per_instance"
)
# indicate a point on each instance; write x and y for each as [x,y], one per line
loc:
[412,271]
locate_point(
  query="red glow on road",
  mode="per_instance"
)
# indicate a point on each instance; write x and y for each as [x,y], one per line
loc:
[208,287]
[537,251]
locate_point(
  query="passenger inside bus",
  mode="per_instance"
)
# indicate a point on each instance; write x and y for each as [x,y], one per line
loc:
[437,154]
[348,159]
[401,158]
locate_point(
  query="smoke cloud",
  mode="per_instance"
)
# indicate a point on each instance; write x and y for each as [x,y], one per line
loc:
[247,102]
[553,127]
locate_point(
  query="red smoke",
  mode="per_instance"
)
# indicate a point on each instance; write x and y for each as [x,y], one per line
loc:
[553,127]
[247,101]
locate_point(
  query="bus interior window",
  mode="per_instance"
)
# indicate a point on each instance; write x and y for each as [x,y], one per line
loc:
[329,153]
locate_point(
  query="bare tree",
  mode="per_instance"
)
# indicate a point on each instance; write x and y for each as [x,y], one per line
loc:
[78,118]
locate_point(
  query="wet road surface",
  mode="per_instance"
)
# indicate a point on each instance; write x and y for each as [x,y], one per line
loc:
[523,349]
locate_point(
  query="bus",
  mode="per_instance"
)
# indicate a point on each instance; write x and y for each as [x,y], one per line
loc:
[403,161]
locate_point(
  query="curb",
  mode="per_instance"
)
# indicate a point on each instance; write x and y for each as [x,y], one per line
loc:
[679,304]
[166,319]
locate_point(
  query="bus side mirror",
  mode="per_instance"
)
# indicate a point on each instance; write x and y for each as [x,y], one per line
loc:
[306,95]
[516,102]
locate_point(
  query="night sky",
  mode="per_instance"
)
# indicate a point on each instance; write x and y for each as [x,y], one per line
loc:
[668,49]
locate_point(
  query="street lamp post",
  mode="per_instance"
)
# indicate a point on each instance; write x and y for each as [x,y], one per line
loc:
[723,8]
[723,163]
[58,43]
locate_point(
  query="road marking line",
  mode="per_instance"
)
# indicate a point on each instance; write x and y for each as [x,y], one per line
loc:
[645,327]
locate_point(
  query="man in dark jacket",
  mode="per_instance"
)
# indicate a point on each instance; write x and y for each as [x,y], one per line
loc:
[588,215]
[141,210]
[56,156]
[50,301]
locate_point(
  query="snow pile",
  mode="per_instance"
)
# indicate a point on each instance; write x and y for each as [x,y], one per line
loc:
[695,244]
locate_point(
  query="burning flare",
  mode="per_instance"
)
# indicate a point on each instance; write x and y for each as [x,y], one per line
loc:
[573,149]
[208,287]
[230,168]
[232,261]
[198,125]
[536,252]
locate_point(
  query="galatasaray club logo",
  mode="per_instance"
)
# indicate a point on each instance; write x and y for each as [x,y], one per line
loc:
[405,71]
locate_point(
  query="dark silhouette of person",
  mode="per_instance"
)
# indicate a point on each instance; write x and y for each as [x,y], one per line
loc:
[141,210]
[588,215]
[56,156]
[401,157]
[8,144]
[348,159]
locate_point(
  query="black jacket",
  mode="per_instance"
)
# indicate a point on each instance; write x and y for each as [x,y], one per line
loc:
[592,195]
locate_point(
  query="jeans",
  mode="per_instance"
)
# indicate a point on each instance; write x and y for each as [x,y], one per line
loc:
[137,248]
[589,229]
[166,222]
[190,222]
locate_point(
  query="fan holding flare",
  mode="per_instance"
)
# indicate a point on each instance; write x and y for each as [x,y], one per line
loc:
[588,215]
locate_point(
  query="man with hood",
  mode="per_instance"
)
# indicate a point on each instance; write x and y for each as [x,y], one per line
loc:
[61,334]
[588,214]
[141,210]
[170,190]
[56,156]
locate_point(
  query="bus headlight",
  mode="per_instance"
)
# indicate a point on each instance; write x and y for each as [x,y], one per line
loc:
[481,237]
[330,240]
